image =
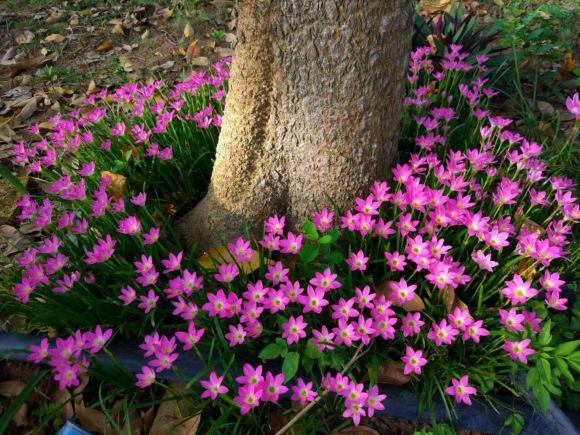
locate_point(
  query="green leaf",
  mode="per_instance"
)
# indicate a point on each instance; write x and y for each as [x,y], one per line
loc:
[308,253]
[545,335]
[312,351]
[567,348]
[310,231]
[329,237]
[290,365]
[563,367]
[334,257]
[544,370]
[283,346]
[12,179]
[272,351]
[542,395]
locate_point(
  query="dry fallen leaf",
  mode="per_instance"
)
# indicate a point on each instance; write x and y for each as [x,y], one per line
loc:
[92,88]
[187,31]
[21,416]
[117,184]
[193,50]
[25,37]
[21,66]
[221,255]
[93,420]
[224,52]
[64,398]
[28,109]
[448,295]
[200,61]
[175,416]
[391,372]
[55,37]
[429,7]
[106,45]
[11,388]
[415,304]
[118,29]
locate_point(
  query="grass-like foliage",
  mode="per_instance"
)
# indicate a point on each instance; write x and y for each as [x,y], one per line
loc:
[446,276]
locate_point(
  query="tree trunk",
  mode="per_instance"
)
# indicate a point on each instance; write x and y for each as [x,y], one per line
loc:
[313,111]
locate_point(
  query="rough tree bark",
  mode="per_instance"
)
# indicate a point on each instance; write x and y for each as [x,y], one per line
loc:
[313,109]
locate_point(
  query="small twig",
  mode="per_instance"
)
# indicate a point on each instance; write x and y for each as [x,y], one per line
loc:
[357,355]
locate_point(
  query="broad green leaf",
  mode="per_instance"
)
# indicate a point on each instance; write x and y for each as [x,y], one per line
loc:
[272,351]
[567,348]
[290,365]
[308,253]
[545,335]
[310,231]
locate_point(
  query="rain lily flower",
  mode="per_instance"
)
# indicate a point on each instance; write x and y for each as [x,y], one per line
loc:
[413,361]
[302,392]
[213,386]
[518,349]
[461,390]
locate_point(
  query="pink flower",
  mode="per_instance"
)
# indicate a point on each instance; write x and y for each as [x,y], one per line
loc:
[413,361]
[277,273]
[139,199]
[344,309]
[474,331]
[274,225]
[293,329]
[322,339]
[374,401]
[241,250]
[146,377]
[96,340]
[551,281]
[511,320]
[213,387]
[323,220]
[518,349]
[226,273]
[102,250]
[129,225]
[395,261]
[38,352]
[518,291]
[191,337]
[325,280]
[573,105]
[364,297]
[151,237]
[401,291]
[173,263]
[354,409]
[148,302]
[237,335]
[217,304]
[357,261]
[302,392]
[461,390]
[344,333]
[291,244]
[442,333]
[272,387]
[313,300]
[251,375]
[118,130]
[484,262]
[248,397]
[460,318]
[411,324]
